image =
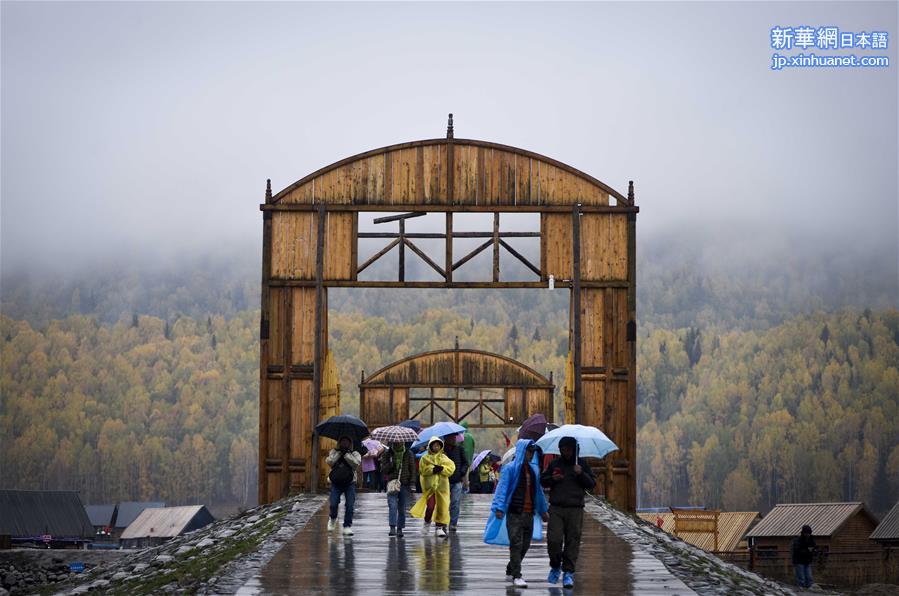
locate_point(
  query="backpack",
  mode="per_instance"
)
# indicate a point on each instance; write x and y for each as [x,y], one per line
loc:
[341,475]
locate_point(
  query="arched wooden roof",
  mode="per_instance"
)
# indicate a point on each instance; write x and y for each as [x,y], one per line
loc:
[462,368]
[449,171]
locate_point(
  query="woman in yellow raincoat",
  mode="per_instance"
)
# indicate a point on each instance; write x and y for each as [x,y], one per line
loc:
[435,468]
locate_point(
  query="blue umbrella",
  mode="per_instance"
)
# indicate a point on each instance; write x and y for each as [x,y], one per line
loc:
[591,441]
[441,429]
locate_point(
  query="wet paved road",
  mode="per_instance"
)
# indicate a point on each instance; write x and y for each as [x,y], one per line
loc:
[369,563]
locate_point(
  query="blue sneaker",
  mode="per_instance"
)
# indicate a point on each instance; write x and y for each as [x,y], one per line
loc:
[568,580]
[554,575]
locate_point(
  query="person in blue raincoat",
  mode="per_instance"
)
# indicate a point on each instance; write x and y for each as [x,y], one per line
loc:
[518,508]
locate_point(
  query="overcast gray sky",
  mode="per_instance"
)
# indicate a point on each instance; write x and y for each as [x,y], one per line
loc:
[150,129]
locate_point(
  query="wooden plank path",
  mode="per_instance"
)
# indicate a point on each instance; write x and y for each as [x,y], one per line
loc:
[369,563]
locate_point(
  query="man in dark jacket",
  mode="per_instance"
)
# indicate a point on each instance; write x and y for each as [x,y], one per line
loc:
[802,551]
[567,477]
[398,463]
[456,453]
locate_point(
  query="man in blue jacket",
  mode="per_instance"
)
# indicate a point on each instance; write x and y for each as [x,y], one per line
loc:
[567,477]
[518,508]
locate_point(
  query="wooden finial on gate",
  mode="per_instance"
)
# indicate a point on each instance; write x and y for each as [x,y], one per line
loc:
[449,127]
[457,343]
[268,190]
[630,192]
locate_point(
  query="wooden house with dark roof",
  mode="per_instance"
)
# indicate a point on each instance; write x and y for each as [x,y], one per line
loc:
[846,554]
[44,517]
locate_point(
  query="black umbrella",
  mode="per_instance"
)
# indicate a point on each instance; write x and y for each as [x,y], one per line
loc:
[413,424]
[344,426]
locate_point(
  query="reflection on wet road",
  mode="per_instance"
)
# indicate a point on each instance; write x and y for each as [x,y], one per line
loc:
[370,562]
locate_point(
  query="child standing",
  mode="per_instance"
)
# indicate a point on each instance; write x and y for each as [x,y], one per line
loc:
[435,468]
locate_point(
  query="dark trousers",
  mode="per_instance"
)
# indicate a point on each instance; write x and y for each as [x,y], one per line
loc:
[563,536]
[521,528]
[803,575]
[349,501]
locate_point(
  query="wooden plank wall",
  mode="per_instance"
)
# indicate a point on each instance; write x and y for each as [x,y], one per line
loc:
[481,175]
[294,239]
[384,406]
[524,402]
[286,410]
[607,369]
[462,367]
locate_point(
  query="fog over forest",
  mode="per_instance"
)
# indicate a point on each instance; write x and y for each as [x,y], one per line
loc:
[137,139]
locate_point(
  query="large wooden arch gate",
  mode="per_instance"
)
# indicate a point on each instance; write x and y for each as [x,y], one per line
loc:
[309,243]
[513,391]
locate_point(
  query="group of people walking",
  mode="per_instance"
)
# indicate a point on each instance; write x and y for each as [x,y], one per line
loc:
[527,495]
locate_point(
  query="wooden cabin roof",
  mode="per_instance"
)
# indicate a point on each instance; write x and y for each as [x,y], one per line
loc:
[462,367]
[825,519]
[449,171]
[888,529]
[29,513]
[165,522]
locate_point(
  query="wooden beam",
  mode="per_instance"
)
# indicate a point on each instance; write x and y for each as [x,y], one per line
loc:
[425,258]
[377,256]
[448,267]
[631,430]
[317,347]
[287,350]
[395,205]
[496,247]
[434,236]
[476,285]
[520,257]
[471,255]
[402,255]
[576,312]
[454,385]
[400,217]
[264,354]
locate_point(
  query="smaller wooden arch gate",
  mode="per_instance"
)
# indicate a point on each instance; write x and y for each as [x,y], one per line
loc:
[513,391]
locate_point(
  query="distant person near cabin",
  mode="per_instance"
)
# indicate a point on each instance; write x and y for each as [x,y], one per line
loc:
[344,462]
[802,552]
[567,477]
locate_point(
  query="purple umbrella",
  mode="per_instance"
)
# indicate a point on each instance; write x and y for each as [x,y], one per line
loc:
[533,428]
[479,458]
[373,446]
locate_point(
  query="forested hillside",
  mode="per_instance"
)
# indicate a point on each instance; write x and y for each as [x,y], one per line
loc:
[753,388]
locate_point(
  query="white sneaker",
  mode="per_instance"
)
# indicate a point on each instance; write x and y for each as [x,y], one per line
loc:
[425,528]
[519,582]
[441,532]
[332,523]
[347,531]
